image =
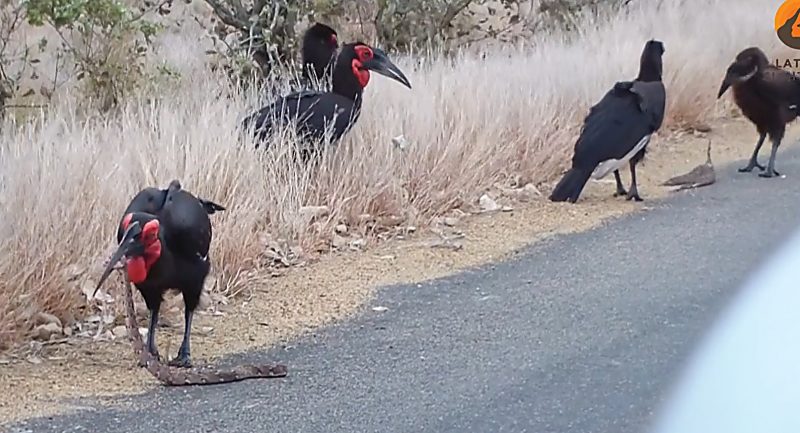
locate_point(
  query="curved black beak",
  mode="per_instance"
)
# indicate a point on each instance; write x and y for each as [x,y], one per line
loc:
[124,246]
[381,64]
[734,75]
[724,87]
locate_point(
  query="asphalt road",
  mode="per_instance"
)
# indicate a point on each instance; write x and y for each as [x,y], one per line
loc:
[580,333]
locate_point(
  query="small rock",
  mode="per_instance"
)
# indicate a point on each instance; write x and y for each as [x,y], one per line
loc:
[527,193]
[273,255]
[205,299]
[357,244]
[379,309]
[450,221]
[68,331]
[204,330]
[341,229]
[42,318]
[338,242]
[507,209]
[531,189]
[120,331]
[209,286]
[488,204]
[44,332]
[400,142]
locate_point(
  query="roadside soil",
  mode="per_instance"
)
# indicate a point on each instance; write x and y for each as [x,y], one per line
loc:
[333,288]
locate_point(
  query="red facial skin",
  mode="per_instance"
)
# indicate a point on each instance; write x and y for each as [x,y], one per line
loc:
[364,54]
[138,267]
[334,41]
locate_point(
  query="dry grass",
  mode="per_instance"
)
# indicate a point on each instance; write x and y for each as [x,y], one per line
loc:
[470,121]
[277,312]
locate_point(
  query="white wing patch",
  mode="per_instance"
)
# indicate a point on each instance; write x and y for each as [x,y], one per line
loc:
[612,164]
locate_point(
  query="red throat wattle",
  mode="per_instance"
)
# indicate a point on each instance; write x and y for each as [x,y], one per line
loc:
[139,267]
[361,74]
[363,54]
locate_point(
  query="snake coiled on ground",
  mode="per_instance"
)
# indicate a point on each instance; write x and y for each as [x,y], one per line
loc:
[175,376]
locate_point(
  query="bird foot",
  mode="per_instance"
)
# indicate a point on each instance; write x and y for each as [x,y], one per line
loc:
[768,174]
[633,196]
[620,192]
[181,361]
[750,168]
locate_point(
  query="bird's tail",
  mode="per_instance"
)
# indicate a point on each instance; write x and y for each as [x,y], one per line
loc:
[571,185]
[211,207]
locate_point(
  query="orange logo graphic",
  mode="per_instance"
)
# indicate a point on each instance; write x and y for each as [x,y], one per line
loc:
[787,24]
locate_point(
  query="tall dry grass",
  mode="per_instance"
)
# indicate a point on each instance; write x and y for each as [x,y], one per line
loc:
[470,122]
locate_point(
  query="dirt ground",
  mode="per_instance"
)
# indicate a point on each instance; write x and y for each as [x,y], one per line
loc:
[334,287]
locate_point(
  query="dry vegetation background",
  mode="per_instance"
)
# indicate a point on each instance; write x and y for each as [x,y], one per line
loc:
[505,110]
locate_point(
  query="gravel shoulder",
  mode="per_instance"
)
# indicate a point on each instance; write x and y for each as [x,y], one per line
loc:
[338,286]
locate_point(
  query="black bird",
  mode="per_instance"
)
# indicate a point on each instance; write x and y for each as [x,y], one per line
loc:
[618,129]
[152,200]
[320,45]
[165,247]
[339,109]
[768,96]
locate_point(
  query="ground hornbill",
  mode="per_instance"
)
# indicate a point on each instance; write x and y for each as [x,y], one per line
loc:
[768,96]
[320,44]
[338,109]
[618,129]
[164,237]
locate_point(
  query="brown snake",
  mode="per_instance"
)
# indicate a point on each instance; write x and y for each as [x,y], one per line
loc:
[173,376]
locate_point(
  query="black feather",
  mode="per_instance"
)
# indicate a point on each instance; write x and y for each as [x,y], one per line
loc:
[627,113]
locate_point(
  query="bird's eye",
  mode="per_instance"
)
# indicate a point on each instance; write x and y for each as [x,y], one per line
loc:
[364,53]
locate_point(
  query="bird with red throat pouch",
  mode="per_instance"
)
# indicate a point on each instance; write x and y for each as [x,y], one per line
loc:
[317,115]
[164,238]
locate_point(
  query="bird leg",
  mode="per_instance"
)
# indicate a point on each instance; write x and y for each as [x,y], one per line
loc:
[633,193]
[771,164]
[620,189]
[754,159]
[151,333]
[184,358]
